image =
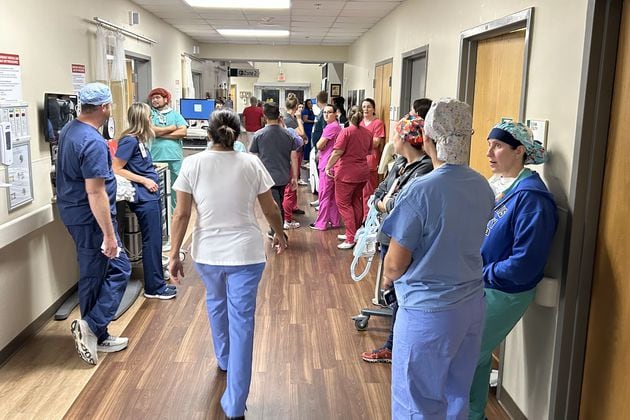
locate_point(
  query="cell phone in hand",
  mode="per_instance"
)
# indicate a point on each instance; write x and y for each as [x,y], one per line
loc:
[389,296]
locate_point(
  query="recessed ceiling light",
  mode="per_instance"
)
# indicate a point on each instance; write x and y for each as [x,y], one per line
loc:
[241,4]
[253,32]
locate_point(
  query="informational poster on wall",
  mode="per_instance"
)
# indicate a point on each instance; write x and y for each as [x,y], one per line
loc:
[78,77]
[10,78]
[19,176]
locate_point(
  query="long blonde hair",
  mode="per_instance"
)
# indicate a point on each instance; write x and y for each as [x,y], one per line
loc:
[139,118]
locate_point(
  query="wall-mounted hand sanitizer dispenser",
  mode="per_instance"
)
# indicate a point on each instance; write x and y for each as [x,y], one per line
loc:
[6,144]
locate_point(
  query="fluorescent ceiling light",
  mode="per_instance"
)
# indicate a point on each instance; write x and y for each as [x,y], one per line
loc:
[260,33]
[241,4]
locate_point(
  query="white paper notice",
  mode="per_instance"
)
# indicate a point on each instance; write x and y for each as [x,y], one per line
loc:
[78,77]
[10,78]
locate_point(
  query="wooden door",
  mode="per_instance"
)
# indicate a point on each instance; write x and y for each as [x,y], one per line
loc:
[383,93]
[605,386]
[498,81]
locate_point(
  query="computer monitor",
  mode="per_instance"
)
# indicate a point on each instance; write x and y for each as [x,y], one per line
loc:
[196,109]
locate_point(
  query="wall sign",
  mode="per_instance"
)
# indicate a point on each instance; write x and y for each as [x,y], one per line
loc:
[10,78]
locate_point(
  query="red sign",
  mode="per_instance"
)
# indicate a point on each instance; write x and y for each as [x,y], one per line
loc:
[78,68]
[10,59]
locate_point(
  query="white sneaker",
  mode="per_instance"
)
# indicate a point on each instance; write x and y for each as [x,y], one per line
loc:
[316,208]
[84,341]
[346,245]
[291,225]
[341,237]
[314,203]
[113,344]
[302,182]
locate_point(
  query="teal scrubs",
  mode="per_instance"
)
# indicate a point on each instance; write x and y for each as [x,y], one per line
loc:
[167,150]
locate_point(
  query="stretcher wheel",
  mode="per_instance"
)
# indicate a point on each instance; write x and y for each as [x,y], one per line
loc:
[361,323]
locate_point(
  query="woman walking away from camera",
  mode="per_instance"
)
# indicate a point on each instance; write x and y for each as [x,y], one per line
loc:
[133,161]
[226,215]
[433,261]
[517,244]
[347,165]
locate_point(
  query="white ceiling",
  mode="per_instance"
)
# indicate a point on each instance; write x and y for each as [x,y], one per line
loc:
[311,22]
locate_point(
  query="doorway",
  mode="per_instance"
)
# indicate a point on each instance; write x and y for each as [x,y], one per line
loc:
[382,92]
[138,76]
[604,386]
[196,76]
[494,59]
[414,78]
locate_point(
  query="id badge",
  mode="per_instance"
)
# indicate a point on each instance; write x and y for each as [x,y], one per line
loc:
[143,150]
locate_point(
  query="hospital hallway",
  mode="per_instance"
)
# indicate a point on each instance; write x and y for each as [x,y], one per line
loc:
[306,363]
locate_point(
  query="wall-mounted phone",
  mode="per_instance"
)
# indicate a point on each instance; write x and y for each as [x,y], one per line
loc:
[6,144]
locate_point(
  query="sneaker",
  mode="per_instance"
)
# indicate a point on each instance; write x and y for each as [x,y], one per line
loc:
[84,341]
[316,208]
[314,203]
[382,355]
[312,226]
[298,211]
[302,182]
[291,225]
[113,344]
[341,237]
[166,294]
[346,245]
[166,247]
[171,286]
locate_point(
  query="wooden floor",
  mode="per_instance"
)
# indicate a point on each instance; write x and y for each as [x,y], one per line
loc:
[306,358]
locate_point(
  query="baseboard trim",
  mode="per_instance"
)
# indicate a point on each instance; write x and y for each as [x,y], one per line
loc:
[508,404]
[33,328]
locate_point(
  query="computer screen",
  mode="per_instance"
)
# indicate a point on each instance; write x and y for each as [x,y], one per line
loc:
[196,109]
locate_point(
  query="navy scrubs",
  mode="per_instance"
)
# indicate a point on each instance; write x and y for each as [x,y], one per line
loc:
[147,210]
[83,154]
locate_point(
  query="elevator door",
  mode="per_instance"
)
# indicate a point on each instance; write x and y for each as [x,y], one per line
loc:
[605,387]
[498,80]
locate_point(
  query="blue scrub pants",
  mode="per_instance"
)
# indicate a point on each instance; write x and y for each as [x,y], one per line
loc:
[503,311]
[102,281]
[149,217]
[231,303]
[434,358]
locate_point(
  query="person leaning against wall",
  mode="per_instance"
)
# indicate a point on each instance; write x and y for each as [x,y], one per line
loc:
[517,243]
[86,198]
[133,161]
[433,261]
[231,274]
[169,128]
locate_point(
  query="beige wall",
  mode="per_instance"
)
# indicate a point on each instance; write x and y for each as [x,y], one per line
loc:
[295,53]
[310,74]
[49,36]
[554,84]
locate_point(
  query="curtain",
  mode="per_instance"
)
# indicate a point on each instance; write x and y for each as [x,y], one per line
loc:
[188,84]
[100,72]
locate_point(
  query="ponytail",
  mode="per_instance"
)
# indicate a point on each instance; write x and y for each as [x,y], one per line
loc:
[224,128]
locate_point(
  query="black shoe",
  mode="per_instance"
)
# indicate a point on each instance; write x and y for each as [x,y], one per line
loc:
[298,211]
[235,418]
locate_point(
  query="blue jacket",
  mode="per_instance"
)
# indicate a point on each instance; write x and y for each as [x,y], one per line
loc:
[518,237]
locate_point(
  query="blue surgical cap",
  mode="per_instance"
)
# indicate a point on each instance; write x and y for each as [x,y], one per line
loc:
[95,94]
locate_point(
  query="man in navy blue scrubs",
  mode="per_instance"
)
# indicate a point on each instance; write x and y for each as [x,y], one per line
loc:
[86,198]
